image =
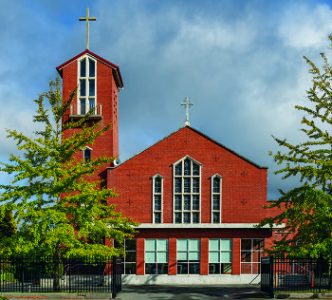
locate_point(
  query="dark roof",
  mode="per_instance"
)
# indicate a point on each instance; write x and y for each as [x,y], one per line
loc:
[205,136]
[115,68]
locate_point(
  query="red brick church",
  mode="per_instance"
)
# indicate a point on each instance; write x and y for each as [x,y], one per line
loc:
[197,202]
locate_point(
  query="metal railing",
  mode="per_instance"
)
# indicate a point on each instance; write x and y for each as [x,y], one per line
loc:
[295,275]
[54,275]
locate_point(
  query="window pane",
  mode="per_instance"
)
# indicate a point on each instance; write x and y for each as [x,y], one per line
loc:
[226,245]
[82,87]
[195,185]
[194,268]
[157,217]
[225,257]
[245,256]
[150,268]
[92,69]
[258,244]
[182,268]
[213,257]
[157,185]
[162,245]
[193,256]
[178,204]
[131,256]
[162,257]
[157,202]
[87,154]
[92,105]
[214,245]
[193,245]
[186,202]
[195,169]
[83,67]
[226,268]
[214,268]
[195,202]
[130,245]
[150,245]
[82,106]
[178,185]
[178,169]
[182,256]
[162,268]
[182,245]
[130,268]
[186,182]
[92,87]
[150,257]
[216,185]
[186,218]
[195,217]
[246,244]
[178,218]
[216,217]
[187,167]
[216,202]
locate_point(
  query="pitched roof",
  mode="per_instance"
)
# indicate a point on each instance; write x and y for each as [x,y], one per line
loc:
[115,68]
[203,135]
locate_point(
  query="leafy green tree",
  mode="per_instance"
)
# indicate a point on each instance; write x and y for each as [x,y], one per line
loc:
[7,224]
[307,208]
[59,209]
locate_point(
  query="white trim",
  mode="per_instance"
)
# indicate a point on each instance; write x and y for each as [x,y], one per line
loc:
[86,78]
[220,198]
[206,226]
[161,196]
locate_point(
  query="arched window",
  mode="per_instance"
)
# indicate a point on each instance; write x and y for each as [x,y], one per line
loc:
[216,185]
[87,86]
[187,191]
[87,154]
[157,196]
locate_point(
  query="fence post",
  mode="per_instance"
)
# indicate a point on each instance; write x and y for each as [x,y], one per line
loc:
[114,289]
[271,284]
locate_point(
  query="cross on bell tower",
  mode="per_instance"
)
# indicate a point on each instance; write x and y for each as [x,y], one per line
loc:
[87,19]
[187,104]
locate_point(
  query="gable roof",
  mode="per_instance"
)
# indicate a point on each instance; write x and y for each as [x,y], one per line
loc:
[204,136]
[115,68]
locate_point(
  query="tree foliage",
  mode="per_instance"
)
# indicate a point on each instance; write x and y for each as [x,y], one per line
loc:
[307,208]
[59,209]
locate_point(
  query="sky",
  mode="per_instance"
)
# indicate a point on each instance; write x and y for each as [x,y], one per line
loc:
[240,62]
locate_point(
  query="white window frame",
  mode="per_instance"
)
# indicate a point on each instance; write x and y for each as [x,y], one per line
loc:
[187,252]
[154,211]
[86,78]
[83,151]
[220,251]
[182,176]
[220,199]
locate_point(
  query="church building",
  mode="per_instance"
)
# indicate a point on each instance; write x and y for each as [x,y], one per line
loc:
[197,202]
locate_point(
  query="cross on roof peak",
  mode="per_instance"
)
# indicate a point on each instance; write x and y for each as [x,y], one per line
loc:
[187,104]
[87,19]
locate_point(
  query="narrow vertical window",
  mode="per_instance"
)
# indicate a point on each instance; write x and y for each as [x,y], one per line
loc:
[129,259]
[156,256]
[87,86]
[216,189]
[186,191]
[157,196]
[87,154]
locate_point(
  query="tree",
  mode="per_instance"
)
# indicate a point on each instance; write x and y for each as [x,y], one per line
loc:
[59,209]
[307,208]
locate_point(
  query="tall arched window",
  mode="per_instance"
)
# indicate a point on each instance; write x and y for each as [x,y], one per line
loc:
[87,154]
[187,191]
[87,86]
[157,197]
[216,185]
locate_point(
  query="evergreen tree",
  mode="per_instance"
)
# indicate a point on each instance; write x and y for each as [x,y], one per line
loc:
[307,208]
[59,209]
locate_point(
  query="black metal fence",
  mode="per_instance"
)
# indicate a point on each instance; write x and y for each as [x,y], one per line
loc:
[67,275]
[295,275]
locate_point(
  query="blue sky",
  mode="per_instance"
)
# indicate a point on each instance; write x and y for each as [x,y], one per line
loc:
[239,61]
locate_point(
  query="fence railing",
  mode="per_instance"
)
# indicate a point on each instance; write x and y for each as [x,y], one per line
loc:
[54,275]
[295,274]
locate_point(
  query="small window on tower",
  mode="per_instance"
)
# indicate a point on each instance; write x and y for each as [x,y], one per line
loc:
[87,154]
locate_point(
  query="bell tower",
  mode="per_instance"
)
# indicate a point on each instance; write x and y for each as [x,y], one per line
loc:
[98,82]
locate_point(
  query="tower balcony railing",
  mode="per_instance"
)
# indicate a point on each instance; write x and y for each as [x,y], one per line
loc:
[95,114]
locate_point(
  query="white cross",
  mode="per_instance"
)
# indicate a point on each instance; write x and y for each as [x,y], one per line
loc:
[87,18]
[187,104]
